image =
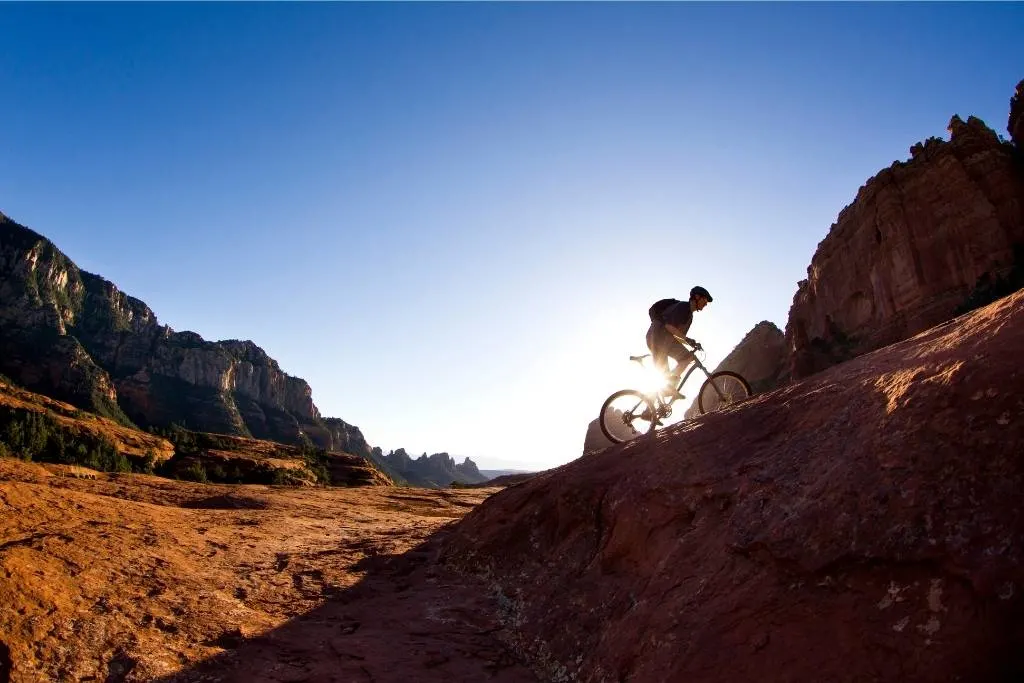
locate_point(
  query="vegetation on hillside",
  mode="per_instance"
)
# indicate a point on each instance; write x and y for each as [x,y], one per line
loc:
[989,288]
[38,436]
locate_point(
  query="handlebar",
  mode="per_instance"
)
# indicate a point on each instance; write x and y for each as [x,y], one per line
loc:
[694,346]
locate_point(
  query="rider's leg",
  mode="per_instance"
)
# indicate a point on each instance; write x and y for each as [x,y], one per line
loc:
[656,344]
[682,356]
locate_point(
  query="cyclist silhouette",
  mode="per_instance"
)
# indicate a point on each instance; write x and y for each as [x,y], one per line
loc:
[670,321]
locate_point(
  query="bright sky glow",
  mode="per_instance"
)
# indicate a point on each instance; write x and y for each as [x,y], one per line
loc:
[450,219]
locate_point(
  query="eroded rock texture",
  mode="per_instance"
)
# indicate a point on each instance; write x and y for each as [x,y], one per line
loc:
[919,238]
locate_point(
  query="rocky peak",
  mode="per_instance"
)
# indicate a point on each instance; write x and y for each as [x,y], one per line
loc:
[1015,124]
[247,350]
[759,355]
[468,467]
[760,358]
[435,470]
[918,240]
[441,460]
[400,456]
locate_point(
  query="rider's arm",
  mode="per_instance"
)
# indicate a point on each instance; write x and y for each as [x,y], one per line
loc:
[678,333]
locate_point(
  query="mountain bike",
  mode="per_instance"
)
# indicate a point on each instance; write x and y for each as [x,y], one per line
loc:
[629,413]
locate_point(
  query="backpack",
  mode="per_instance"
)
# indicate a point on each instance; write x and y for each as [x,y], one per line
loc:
[659,307]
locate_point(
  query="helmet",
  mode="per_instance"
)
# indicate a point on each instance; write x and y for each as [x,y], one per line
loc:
[700,291]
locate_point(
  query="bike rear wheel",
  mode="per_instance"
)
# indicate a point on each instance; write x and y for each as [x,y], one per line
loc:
[721,390]
[626,415]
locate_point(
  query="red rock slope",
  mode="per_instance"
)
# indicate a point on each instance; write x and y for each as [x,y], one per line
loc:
[866,524]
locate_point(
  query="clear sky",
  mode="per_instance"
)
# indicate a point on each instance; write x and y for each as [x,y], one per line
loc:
[450,219]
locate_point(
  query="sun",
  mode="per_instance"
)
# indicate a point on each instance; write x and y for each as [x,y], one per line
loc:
[646,377]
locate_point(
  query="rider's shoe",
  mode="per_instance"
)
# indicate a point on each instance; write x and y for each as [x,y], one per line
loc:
[669,392]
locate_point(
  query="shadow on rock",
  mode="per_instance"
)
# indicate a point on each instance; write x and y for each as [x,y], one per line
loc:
[5,663]
[229,501]
[865,524]
[407,619]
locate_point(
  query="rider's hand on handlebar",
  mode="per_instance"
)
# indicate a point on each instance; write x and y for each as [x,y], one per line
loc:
[697,346]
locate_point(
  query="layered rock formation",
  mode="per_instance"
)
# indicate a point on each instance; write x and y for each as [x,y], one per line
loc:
[433,471]
[863,524]
[920,238]
[74,336]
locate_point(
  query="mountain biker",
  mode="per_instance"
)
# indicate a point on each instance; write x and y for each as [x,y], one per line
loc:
[672,323]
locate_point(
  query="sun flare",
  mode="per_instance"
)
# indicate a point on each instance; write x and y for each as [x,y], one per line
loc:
[648,378]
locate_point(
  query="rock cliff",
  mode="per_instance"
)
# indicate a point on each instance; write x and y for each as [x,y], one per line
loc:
[862,524]
[1015,125]
[74,336]
[919,241]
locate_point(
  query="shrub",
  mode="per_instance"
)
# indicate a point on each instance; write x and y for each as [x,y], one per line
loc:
[194,472]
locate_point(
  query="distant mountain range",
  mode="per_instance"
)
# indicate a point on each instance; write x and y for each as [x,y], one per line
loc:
[491,474]
[434,471]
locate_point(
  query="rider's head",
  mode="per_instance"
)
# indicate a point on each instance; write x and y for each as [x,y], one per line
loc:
[699,298]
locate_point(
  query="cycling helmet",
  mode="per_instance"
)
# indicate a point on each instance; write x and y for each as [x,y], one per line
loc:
[700,291]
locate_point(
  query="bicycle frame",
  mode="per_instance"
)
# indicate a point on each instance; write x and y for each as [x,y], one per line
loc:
[695,364]
[654,406]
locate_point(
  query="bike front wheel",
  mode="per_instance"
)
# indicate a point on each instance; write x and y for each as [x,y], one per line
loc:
[626,415]
[721,390]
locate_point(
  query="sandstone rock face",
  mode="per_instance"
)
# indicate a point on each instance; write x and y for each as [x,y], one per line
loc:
[75,336]
[920,236]
[760,357]
[345,437]
[862,524]
[1015,126]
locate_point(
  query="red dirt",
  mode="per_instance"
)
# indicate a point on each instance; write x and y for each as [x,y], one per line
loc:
[137,578]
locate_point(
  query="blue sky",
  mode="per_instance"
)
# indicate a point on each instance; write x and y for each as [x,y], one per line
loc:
[450,219]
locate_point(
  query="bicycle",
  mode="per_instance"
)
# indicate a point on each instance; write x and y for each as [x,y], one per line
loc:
[648,409]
